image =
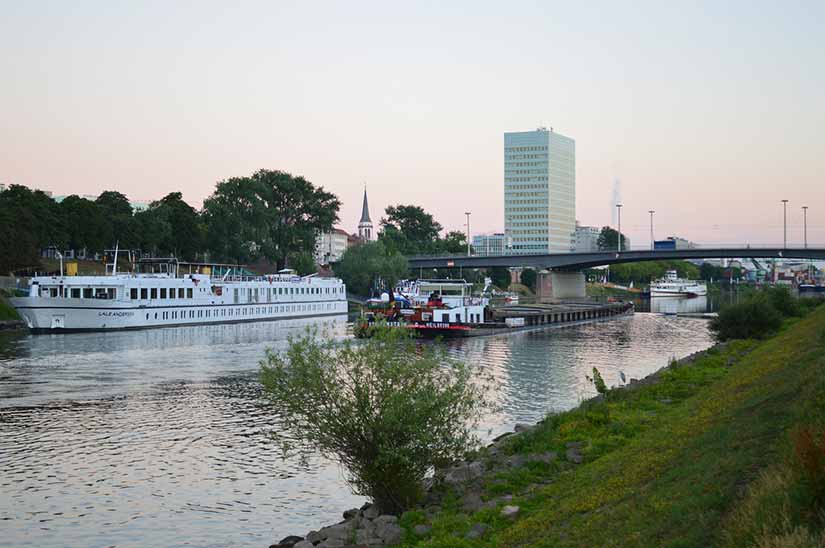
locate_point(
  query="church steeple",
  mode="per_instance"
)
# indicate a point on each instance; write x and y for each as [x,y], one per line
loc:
[365,210]
[365,224]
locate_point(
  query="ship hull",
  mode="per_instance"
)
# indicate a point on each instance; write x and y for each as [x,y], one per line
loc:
[698,292]
[113,316]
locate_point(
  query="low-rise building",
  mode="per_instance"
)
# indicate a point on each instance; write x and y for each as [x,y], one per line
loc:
[488,244]
[330,246]
[586,239]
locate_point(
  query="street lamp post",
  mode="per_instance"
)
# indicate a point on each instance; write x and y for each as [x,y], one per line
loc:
[805,226]
[467,213]
[651,228]
[784,223]
[619,210]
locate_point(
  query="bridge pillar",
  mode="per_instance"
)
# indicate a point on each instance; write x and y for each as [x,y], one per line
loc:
[555,285]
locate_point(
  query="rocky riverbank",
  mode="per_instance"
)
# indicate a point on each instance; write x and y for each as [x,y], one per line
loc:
[473,486]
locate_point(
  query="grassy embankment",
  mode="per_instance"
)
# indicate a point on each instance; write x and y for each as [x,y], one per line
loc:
[726,451]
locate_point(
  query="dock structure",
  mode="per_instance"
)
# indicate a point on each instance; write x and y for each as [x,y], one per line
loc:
[560,313]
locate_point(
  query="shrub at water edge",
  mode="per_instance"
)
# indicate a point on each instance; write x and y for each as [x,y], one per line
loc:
[387,409]
[759,314]
[755,318]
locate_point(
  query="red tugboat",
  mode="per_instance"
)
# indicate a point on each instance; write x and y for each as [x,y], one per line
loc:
[430,307]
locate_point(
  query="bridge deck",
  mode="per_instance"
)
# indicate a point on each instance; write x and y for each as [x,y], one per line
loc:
[578,261]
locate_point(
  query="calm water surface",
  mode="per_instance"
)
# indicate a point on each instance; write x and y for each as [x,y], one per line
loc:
[161,437]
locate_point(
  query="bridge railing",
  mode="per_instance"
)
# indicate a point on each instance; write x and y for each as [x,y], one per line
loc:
[746,245]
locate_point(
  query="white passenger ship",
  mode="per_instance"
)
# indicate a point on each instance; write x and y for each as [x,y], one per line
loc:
[156,296]
[673,286]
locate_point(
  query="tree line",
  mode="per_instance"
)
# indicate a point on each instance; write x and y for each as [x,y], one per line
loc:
[269,215]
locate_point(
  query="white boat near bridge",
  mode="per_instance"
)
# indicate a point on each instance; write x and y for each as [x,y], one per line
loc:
[673,286]
[156,296]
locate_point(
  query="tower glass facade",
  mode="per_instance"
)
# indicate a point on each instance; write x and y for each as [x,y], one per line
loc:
[539,191]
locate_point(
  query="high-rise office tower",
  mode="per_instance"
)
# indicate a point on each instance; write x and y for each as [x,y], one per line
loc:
[539,191]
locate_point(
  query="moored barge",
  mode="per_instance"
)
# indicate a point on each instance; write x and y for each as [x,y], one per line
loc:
[450,311]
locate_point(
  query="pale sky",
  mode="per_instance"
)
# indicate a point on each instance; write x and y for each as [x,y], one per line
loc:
[708,112]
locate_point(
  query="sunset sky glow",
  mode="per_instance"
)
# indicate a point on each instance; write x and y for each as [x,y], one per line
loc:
[709,113]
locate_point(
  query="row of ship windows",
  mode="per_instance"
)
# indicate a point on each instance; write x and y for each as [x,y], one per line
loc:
[182,293]
[238,312]
[250,293]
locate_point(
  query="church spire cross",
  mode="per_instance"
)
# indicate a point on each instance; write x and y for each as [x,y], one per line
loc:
[365,210]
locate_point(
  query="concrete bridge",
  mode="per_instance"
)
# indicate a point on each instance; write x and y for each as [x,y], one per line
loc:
[564,278]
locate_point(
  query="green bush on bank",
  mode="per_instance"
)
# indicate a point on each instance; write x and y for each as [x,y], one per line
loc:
[7,313]
[759,314]
[387,409]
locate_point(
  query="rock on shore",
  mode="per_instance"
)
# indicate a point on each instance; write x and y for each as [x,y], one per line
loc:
[364,527]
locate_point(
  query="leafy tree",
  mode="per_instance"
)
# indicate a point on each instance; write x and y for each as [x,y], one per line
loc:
[303,263]
[230,217]
[388,410]
[114,203]
[271,214]
[37,213]
[710,272]
[18,247]
[153,230]
[185,236]
[609,240]
[410,230]
[29,221]
[87,226]
[117,212]
[500,276]
[529,278]
[362,266]
[453,242]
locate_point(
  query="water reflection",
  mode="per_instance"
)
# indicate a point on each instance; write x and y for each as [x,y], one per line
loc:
[543,371]
[162,437]
[679,305]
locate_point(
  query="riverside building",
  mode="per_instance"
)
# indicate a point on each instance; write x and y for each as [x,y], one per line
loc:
[539,191]
[488,244]
[586,239]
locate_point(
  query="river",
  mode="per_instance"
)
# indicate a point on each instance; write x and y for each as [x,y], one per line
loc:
[162,437]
